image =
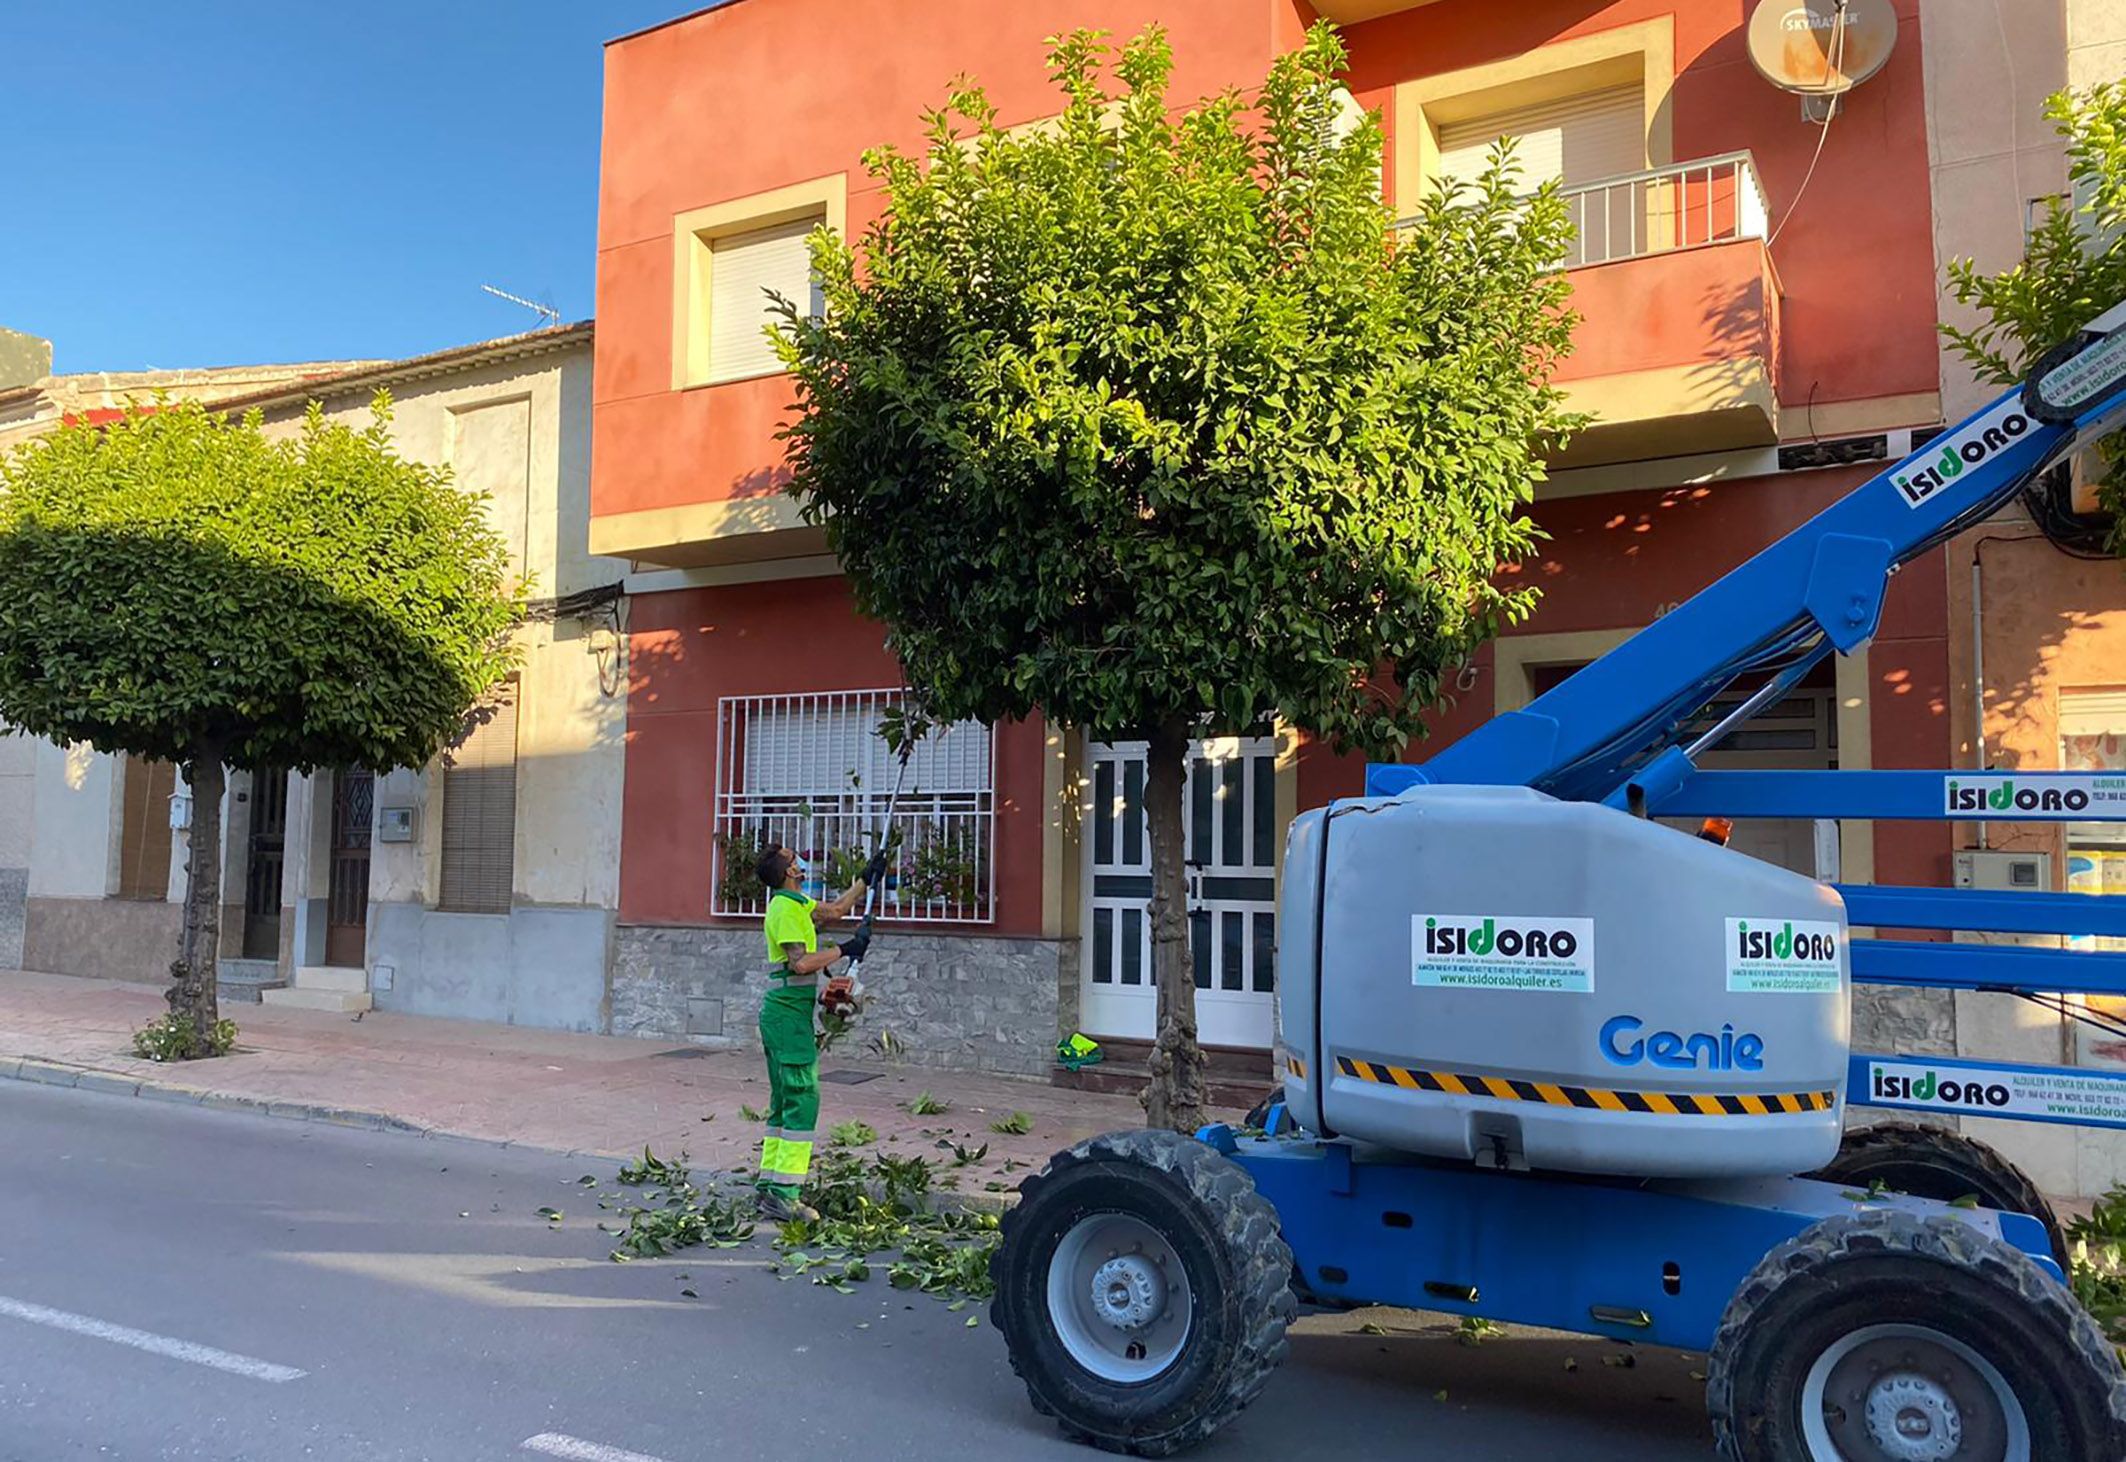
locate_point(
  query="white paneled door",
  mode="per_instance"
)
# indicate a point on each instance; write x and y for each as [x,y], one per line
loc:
[1229,815]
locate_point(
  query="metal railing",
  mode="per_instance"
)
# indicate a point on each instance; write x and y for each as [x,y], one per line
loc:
[811,772]
[1712,200]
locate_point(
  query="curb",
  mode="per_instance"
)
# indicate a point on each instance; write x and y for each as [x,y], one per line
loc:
[89,1078]
[113,1083]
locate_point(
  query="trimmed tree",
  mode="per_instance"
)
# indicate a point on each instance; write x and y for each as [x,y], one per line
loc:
[1155,424]
[2073,269]
[181,587]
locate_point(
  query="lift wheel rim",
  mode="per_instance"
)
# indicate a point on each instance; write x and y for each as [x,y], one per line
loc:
[1119,1298]
[1909,1393]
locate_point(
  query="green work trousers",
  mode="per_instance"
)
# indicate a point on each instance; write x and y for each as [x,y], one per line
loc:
[793,1088]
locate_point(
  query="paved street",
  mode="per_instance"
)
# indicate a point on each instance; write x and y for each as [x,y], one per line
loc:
[185,1283]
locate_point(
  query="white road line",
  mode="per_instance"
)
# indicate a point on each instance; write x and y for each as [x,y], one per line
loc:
[199,1355]
[553,1444]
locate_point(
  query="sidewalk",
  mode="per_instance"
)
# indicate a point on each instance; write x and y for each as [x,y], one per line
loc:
[603,1095]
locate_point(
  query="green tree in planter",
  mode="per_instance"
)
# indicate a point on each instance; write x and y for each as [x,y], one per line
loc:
[181,587]
[2073,269]
[1152,424]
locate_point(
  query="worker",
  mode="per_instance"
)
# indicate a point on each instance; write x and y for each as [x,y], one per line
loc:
[795,962]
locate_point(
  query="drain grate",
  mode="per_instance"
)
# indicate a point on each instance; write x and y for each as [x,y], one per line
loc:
[850,1078]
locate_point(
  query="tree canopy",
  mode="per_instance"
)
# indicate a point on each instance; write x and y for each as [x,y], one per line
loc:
[1155,421]
[1138,413]
[2073,268]
[182,587]
[174,582]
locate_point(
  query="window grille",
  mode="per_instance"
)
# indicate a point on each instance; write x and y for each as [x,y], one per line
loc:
[811,772]
[480,811]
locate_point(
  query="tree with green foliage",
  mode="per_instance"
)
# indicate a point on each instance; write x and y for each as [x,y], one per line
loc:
[1157,424]
[182,587]
[2073,268]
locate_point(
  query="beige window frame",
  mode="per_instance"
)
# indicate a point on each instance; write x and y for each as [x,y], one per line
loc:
[1642,55]
[695,236]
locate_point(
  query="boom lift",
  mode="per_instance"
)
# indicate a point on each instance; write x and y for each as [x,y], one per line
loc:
[1553,1062]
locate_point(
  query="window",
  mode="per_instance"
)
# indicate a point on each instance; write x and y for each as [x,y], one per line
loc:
[812,773]
[480,810]
[2093,739]
[144,838]
[1576,140]
[726,257]
[744,269]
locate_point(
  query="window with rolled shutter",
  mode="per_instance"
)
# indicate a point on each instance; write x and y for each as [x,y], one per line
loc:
[743,268]
[1576,140]
[144,839]
[480,810]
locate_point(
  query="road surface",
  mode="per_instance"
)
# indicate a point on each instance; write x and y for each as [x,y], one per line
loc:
[186,1283]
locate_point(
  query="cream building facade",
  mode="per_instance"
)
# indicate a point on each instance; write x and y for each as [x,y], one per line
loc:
[90,873]
[2038,634]
[481,886]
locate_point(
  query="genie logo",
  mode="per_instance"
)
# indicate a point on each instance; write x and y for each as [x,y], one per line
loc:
[2001,794]
[1982,439]
[1699,1051]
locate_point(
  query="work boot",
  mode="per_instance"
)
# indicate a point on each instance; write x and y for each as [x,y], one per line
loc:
[775,1208]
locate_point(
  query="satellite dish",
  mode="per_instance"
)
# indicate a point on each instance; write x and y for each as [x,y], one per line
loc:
[1820,48]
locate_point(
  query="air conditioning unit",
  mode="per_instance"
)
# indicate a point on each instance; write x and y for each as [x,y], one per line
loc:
[2016,872]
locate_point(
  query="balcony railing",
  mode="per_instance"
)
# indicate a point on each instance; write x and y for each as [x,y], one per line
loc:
[1712,200]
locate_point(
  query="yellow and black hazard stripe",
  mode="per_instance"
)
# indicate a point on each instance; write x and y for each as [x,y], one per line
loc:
[1672,1104]
[1296,1066]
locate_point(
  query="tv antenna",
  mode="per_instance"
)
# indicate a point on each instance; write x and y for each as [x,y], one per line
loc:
[547,313]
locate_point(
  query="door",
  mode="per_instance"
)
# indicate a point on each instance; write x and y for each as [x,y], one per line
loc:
[1229,817]
[347,891]
[265,854]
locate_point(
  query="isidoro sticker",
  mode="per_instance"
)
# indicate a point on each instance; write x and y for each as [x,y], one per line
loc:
[1783,956]
[1502,952]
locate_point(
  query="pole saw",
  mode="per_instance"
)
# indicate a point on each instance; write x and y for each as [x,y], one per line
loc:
[842,998]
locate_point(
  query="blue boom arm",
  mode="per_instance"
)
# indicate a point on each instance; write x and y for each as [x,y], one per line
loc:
[1614,731]
[1818,589]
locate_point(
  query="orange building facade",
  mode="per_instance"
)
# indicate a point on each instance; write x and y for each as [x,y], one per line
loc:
[1740,382]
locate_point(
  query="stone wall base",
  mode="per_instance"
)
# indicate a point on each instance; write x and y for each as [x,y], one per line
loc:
[952,1001]
[106,939]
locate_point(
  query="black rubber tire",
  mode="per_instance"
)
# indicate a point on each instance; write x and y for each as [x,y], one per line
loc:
[1932,1162]
[1885,1267]
[1225,1235]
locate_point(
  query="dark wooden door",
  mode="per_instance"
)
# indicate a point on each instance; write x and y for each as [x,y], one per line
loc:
[347,900]
[267,853]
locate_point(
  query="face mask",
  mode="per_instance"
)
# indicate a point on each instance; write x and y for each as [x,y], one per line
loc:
[800,867]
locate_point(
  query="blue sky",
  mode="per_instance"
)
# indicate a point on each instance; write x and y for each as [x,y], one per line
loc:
[230,181]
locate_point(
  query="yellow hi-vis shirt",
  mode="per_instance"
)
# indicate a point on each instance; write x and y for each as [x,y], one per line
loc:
[790,922]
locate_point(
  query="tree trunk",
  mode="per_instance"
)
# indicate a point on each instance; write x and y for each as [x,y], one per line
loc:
[192,977]
[1175,1097]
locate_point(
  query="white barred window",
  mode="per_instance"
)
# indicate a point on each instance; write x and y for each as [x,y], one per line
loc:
[812,773]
